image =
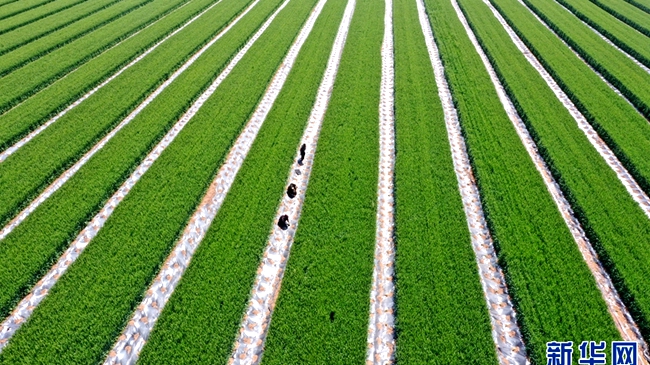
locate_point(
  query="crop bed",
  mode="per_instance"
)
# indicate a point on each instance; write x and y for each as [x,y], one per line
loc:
[323,181]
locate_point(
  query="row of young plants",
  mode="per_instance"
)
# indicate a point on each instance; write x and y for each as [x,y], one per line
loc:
[47,232]
[615,224]
[14,7]
[631,41]
[37,29]
[39,108]
[203,316]
[85,312]
[626,13]
[52,37]
[625,131]
[64,142]
[632,81]
[536,250]
[441,310]
[35,76]
[641,4]
[6,2]
[321,315]
[31,16]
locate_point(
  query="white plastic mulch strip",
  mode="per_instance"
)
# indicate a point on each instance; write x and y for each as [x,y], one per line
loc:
[622,318]
[644,67]
[572,50]
[136,333]
[27,305]
[104,51]
[578,55]
[11,150]
[381,328]
[623,175]
[505,330]
[249,346]
[68,174]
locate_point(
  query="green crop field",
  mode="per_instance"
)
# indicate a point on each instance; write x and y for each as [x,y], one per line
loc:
[624,33]
[325,182]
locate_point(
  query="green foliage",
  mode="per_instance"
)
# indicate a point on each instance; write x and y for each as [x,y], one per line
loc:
[51,9]
[554,292]
[14,7]
[628,14]
[632,81]
[66,29]
[6,2]
[641,4]
[330,267]
[85,312]
[628,39]
[28,115]
[75,133]
[625,131]
[35,76]
[441,311]
[26,254]
[616,225]
[203,316]
[45,26]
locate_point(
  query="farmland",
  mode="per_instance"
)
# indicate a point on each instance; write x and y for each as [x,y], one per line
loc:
[323,181]
[631,40]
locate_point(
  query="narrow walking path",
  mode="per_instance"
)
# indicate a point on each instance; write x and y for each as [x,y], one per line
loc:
[625,324]
[505,330]
[28,304]
[135,335]
[623,175]
[644,67]
[381,328]
[612,87]
[68,174]
[16,146]
[249,346]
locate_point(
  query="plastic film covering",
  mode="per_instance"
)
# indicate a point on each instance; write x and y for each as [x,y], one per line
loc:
[381,328]
[621,316]
[506,334]
[623,175]
[644,67]
[11,150]
[135,335]
[27,305]
[249,346]
[68,174]
[577,55]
